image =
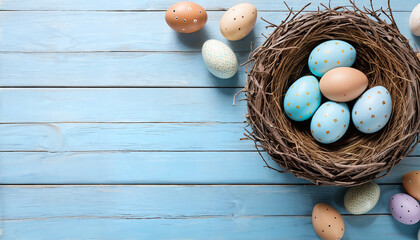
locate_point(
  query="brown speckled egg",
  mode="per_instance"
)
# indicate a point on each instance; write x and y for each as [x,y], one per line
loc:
[186,17]
[238,21]
[411,183]
[327,222]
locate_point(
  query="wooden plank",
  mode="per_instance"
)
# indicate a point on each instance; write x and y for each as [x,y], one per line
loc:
[123,31]
[113,69]
[64,137]
[268,227]
[271,5]
[120,105]
[153,168]
[173,201]
[123,137]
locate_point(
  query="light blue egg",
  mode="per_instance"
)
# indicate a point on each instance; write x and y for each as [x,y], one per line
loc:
[331,54]
[302,98]
[330,122]
[372,110]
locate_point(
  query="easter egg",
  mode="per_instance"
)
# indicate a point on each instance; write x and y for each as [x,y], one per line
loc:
[238,21]
[330,122]
[411,183]
[404,208]
[327,222]
[361,199]
[331,54]
[302,98]
[186,17]
[220,60]
[372,110]
[343,84]
[414,22]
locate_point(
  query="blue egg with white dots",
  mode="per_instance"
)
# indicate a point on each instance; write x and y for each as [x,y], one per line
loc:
[302,98]
[372,110]
[219,58]
[330,122]
[329,55]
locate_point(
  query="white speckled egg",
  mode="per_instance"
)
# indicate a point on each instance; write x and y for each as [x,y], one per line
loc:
[220,60]
[361,199]
[330,122]
[414,21]
[331,54]
[418,235]
[302,98]
[372,110]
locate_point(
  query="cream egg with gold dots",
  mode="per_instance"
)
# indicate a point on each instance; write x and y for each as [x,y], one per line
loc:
[329,55]
[330,122]
[302,98]
[219,58]
[372,110]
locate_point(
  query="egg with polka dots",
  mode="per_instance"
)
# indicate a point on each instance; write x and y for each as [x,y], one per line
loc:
[186,17]
[327,222]
[302,98]
[330,122]
[329,55]
[219,58]
[361,199]
[404,208]
[372,110]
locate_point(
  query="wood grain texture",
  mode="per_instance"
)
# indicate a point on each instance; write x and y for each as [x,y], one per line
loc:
[64,137]
[149,5]
[247,228]
[120,105]
[153,168]
[124,31]
[178,212]
[112,69]
[153,201]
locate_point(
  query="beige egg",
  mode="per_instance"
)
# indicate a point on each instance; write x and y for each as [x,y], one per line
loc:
[343,84]
[411,183]
[238,21]
[327,222]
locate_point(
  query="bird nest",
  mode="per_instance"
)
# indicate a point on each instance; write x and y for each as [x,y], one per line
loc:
[384,55]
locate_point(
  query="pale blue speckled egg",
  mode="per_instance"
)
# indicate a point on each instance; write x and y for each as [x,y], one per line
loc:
[219,58]
[330,122]
[329,55]
[302,98]
[372,110]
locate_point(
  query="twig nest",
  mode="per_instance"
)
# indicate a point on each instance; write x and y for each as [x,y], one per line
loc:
[384,55]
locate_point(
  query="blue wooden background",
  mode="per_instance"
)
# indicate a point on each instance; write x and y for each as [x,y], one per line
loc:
[112,128]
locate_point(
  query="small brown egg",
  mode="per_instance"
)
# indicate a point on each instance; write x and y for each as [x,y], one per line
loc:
[238,21]
[327,222]
[343,84]
[411,183]
[186,17]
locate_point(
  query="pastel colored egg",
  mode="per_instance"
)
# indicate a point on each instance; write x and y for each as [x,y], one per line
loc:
[238,21]
[327,222]
[302,98]
[411,183]
[343,84]
[414,22]
[329,55]
[220,60]
[186,17]
[361,199]
[330,122]
[372,110]
[404,208]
